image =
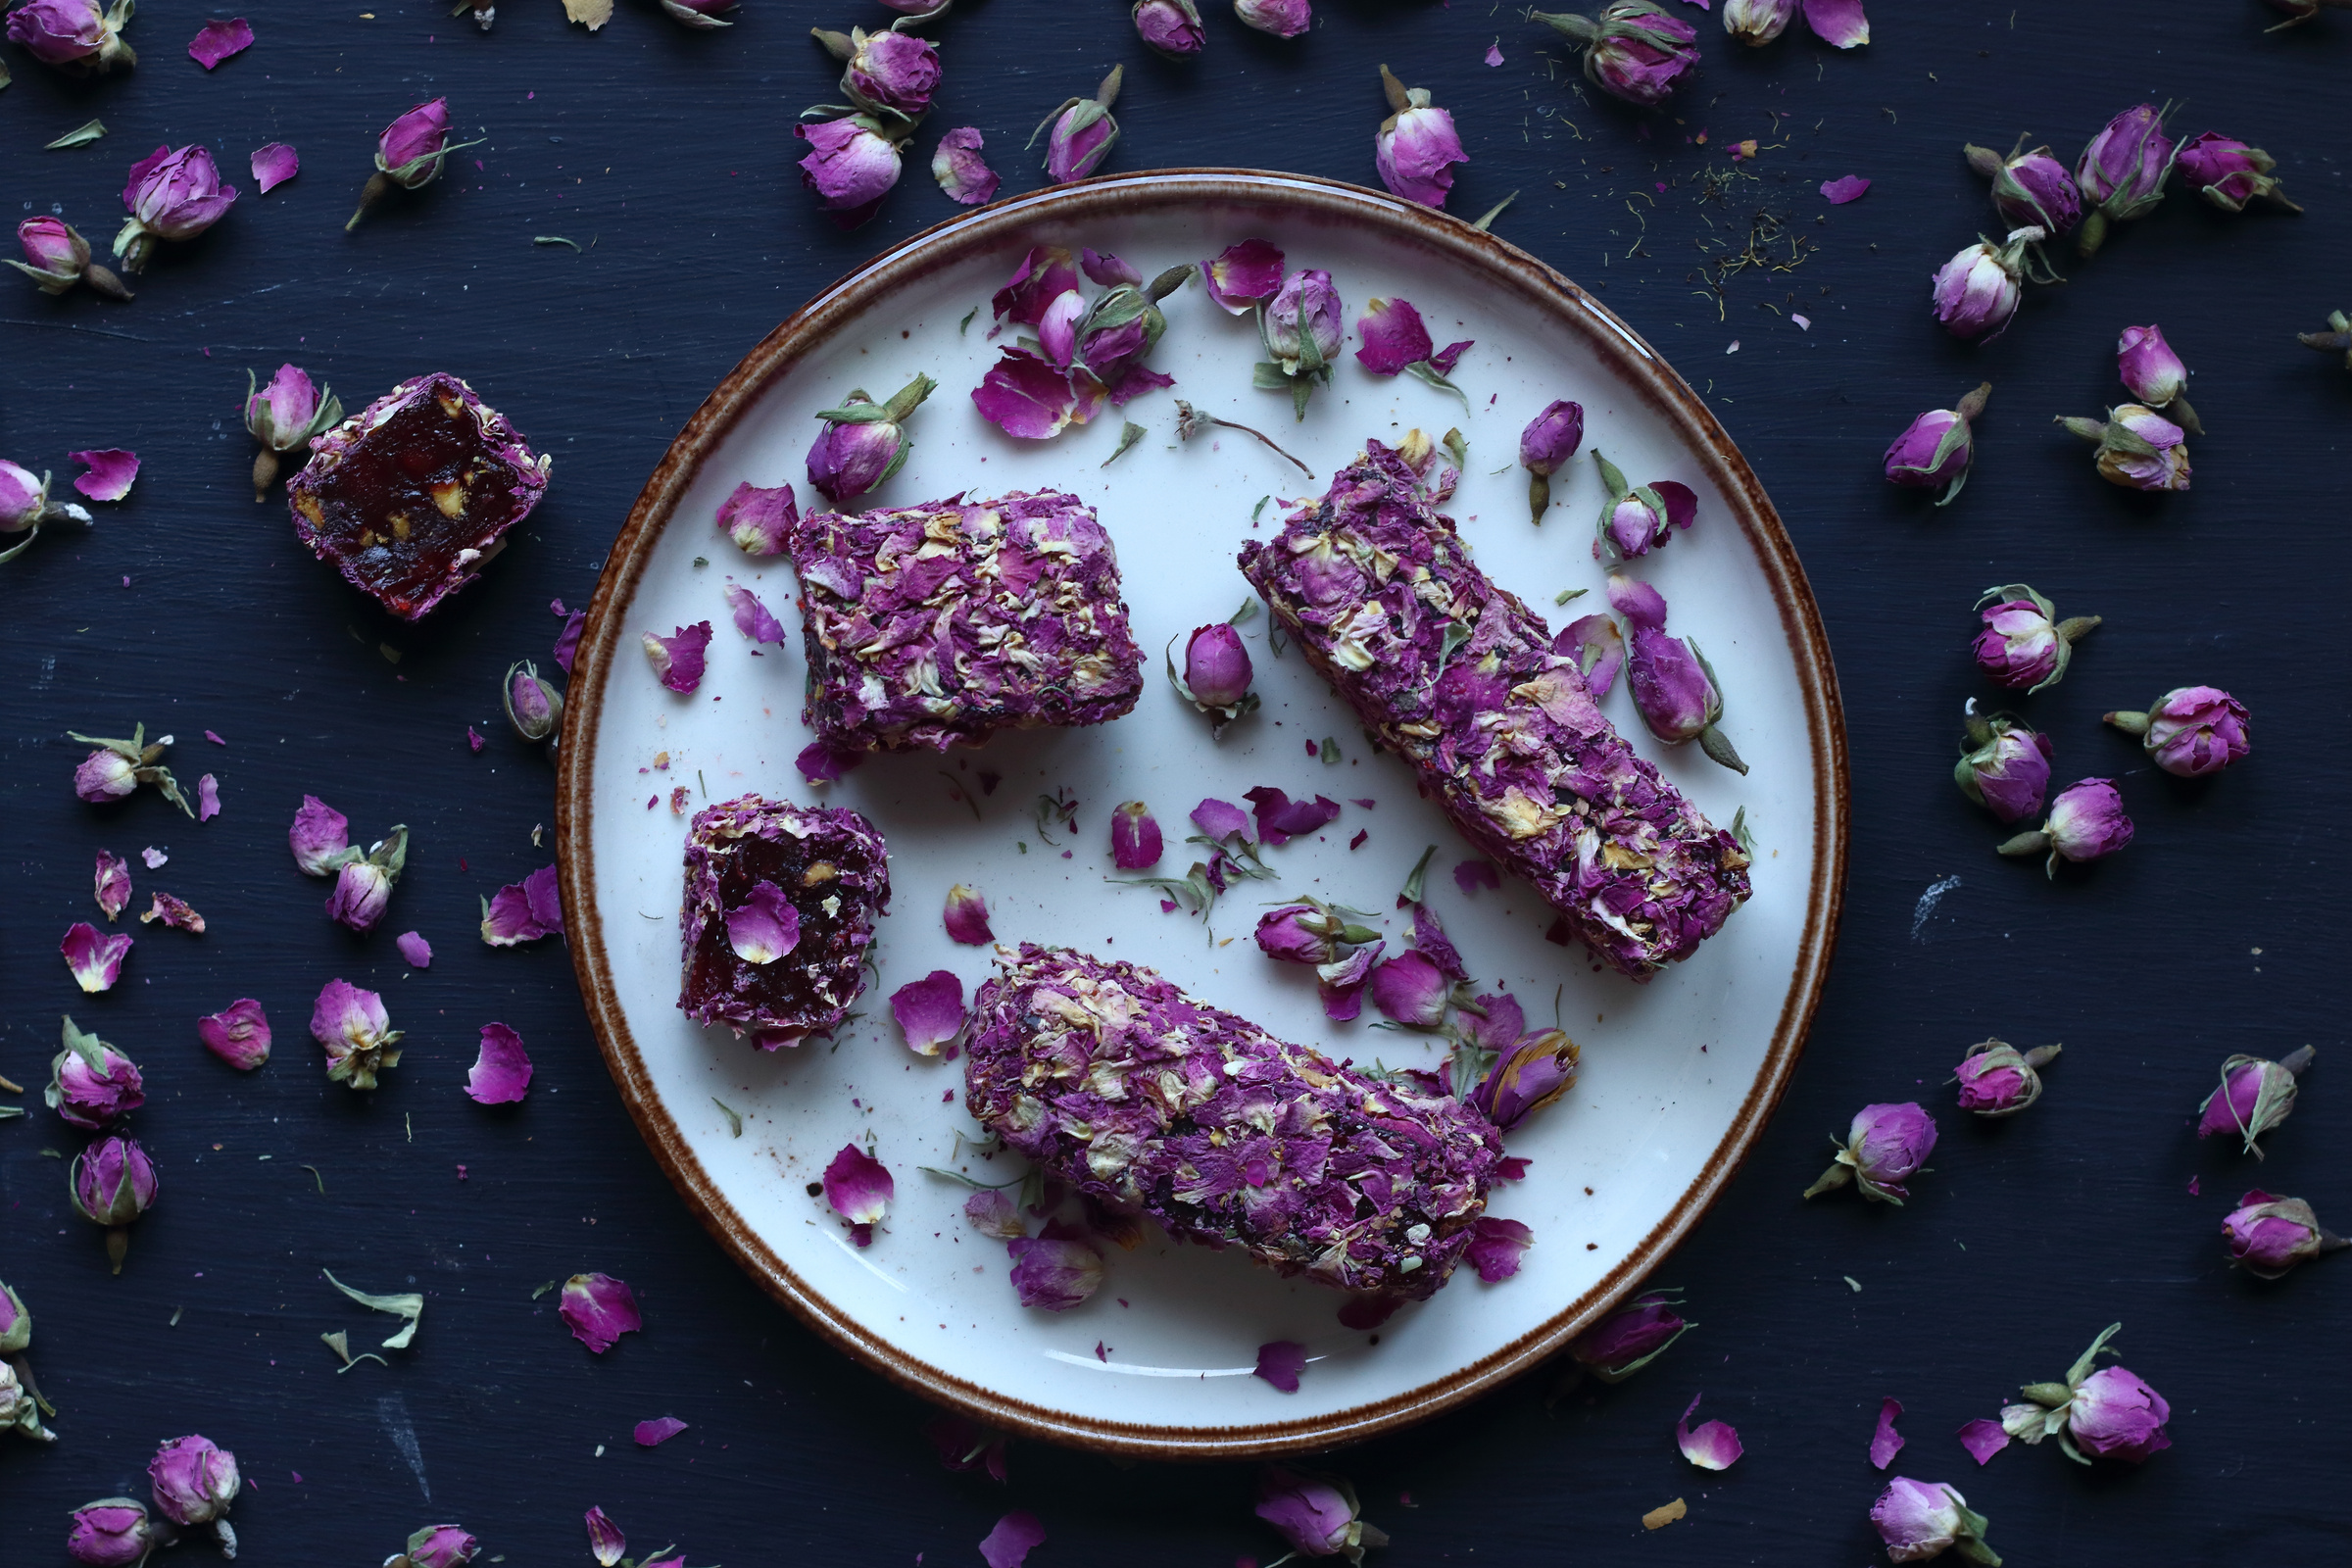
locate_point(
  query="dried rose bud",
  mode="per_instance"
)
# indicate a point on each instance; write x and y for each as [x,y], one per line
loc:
[1302,327]
[409,154]
[1756,23]
[238,1034]
[1053,1273]
[1634,50]
[1216,674]
[1630,1338]
[2268,1235]
[75,36]
[172,194]
[1083,131]
[194,1482]
[1417,147]
[1243,276]
[1996,1079]
[1530,1074]
[1283,19]
[437,1546]
[1636,519]
[930,1012]
[352,1027]
[1976,294]
[1938,448]
[890,75]
[1923,1519]
[364,886]
[2191,730]
[1673,684]
[2255,1096]
[121,766]
[598,1309]
[21,1408]
[2110,1414]
[2004,767]
[2024,646]
[2087,822]
[534,708]
[113,1532]
[2230,174]
[2122,172]
[853,162]
[1884,1148]
[1171,29]
[284,415]
[864,442]
[15,1324]
[2337,339]
[113,1182]
[1316,1514]
[91,1083]
[95,960]
[57,256]
[1136,844]
[2030,190]
[2154,374]
[25,504]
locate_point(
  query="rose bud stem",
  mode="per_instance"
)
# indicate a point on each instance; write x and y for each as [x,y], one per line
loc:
[264,473]
[105,282]
[378,185]
[2337,339]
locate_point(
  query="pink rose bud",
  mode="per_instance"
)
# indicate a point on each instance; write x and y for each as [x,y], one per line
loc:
[1417,147]
[1171,29]
[113,1183]
[2030,190]
[1673,684]
[1923,1519]
[1550,440]
[2139,449]
[1216,674]
[352,1027]
[1884,1148]
[1756,23]
[1630,1338]
[851,164]
[105,777]
[2122,172]
[1283,19]
[1996,1079]
[890,75]
[2087,822]
[410,154]
[1633,50]
[2024,646]
[1083,131]
[1937,449]
[364,886]
[2230,174]
[1534,1071]
[702,16]
[16,1326]
[2255,1096]
[238,1034]
[194,1483]
[2268,1235]
[1302,327]
[112,1533]
[171,195]
[1636,519]
[438,1547]
[864,442]
[2004,767]
[25,504]
[598,1309]
[56,258]
[74,36]
[91,1083]
[1136,844]
[21,1413]
[534,708]
[2154,375]
[284,415]
[1976,294]
[2191,730]
[1316,1514]
[2108,1414]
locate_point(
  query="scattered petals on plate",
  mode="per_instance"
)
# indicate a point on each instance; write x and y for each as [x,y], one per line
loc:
[930,1012]
[1495,1246]
[752,617]
[678,658]
[1279,1362]
[757,519]
[967,916]
[961,171]
[1135,838]
[859,1188]
[1054,1273]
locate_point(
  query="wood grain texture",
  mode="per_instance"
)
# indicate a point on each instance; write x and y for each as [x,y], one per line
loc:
[668,155]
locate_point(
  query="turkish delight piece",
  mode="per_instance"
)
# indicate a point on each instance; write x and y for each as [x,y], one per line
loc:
[1148,1102]
[1458,677]
[940,624]
[779,910]
[412,495]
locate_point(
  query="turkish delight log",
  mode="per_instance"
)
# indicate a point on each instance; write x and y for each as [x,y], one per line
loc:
[1111,1078]
[779,910]
[411,496]
[1458,677]
[940,624]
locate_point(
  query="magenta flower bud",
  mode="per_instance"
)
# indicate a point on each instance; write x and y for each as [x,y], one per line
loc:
[16,1329]
[1302,327]
[1301,933]
[1550,440]
[864,442]
[1634,50]
[113,1183]
[54,254]
[112,1533]
[1317,1515]
[171,195]
[194,1482]
[2004,767]
[351,1027]
[74,36]
[1673,684]
[1136,844]
[2150,370]
[851,164]
[534,708]
[1170,27]
[1756,23]
[1630,1338]
[411,151]
[1884,1148]
[2030,190]
[437,1546]
[284,415]
[105,777]
[2230,174]
[2115,1415]
[889,74]
[2024,646]
[2191,730]
[1082,133]
[25,504]
[1636,519]
[1417,147]
[19,1411]
[1996,1079]
[1922,1519]
[2122,172]
[2255,1096]
[364,886]
[1976,294]
[1216,674]
[1283,19]
[1937,449]
[2087,822]
[91,1083]
[2268,1235]
[1530,1074]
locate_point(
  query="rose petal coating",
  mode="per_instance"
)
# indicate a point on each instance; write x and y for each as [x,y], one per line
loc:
[598,1309]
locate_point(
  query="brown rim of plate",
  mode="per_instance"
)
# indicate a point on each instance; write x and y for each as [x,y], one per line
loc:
[1000,226]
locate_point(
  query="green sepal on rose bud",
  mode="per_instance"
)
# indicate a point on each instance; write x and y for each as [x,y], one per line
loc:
[2337,339]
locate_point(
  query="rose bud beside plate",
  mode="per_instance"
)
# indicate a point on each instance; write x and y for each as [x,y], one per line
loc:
[1996,1079]
[1884,1148]
[1938,448]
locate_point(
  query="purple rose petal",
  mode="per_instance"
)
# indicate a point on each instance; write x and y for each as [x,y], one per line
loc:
[1471,875]
[967,916]
[1411,990]
[1054,1274]
[414,948]
[318,837]
[173,912]
[155,858]
[991,1213]
[655,1433]
[1713,1445]
[757,519]
[501,1073]
[752,617]
[678,658]
[930,1012]
[1393,335]
[1280,1362]
[961,171]
[1009,1543]
[109,473]
[1243,276]
[1495,53]
[1220,818]
[1885,1443]
[523,911]
[598,1309]
[238,1034]
[604,1538]
[1838,22]
[1983,1438]
[568,641]
[1280,818]
[820,763]
[1596,646]
[218,40]
[208,798]
[275,164]
[1136,844]
[110,883]
[1841,191]
[859,1188]
[96,960]
[1024,396]
[1494,1249]
[765,927]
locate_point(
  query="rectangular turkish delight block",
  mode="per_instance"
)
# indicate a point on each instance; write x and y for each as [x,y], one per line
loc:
[1458,677]
[940,624]
[779,910]
[411,496]
[1111,1078]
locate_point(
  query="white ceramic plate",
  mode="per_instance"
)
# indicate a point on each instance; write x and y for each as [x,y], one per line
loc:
[1678,1074]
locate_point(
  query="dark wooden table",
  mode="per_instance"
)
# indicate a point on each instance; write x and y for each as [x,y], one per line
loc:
[669,156]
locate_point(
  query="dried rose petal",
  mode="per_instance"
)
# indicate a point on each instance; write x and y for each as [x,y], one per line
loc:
[757,519]
[764,926]
[502,1072]
[1885,1443]
[1982,1438]
[1711,1445]
[1220,820]
[962,1445]
[1317,1515]
[678,658]
[1279,1362]
[568,641]
[930,1012]
[1030,398]
[1045,274]
[598,1309]
[320,837]
[414,948]
[108,473]
[991,1213]
[439,1547]
[238,1034]
[1244,276]
[154,857]
[111,882]
[1393,335]
[604,1536]
[1837,192]
[217,41]
[961,171]
[1410,989]
[1135,839]
[208,798]
[655,1433]
[859,1188]
[1495,1246]
[1053,1273]
[752,617]
[524,910]
[173,912]
[967,916]
[1471,875]
[1009,1543]
[1280,818]
[95,960]
[275,164]
[1838,22]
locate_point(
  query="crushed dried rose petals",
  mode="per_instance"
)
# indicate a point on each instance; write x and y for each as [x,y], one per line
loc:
[1279,1362]
[173,912]
[94,959]
[598,1309]
[929,1012]
[238,1034]
[502,1072]
[859,1188]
